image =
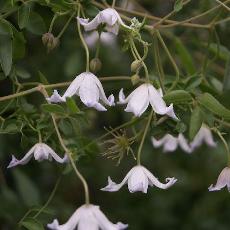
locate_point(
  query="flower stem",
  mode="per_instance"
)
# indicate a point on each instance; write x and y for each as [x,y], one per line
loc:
[83,40]
[52,23]
[85,185]
[143,138]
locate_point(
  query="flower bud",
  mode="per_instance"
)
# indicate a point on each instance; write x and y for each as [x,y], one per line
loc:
[136,65]
[95,65]
[50,41]
[135,79]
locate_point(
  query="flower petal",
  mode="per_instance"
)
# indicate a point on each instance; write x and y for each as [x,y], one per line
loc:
[183,143]
[55,98]
[55,156]
[104,223]
[90,25]
[154,181]
[14,162]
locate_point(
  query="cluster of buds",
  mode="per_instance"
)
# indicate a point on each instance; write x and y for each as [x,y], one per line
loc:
[50,41]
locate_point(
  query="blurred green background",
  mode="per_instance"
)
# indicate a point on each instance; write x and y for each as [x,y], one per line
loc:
[187,205]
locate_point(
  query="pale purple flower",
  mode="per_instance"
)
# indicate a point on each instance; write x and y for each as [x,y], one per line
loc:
[87,217]
[222,181]
[109,17]
[138,179]
[170,143]
[139,100]
[89,89]
[204,135]
[40,152]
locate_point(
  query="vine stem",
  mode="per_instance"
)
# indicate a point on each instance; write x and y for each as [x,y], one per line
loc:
[79,175]
[143,138]
[83,40]
[49,199]
[225,145]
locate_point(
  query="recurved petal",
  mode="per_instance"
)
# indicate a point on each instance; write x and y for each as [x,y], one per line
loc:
[104,223]
[55,156]
[157,143]
[90,25]
[154,181]
[208,138]
[170,144]
[184,144]
[14,162]
[55,98]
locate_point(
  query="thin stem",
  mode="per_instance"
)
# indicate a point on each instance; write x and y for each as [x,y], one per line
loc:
[113,4]
[85,185]
[223,4]
[83,40]
[49,199]
[66,25]
[171,59]
[143,138]
[52,23]
[225,145]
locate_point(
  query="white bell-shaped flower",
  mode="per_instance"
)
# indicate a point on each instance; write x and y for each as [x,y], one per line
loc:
[170,143]
[138,180]
[41,152]
[88,88]
[87,217]
[222,181]
[139,100]
[204,135]
[109,17]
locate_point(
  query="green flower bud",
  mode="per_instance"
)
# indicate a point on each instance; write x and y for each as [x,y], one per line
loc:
[136,65]
[135,79]
[95,65]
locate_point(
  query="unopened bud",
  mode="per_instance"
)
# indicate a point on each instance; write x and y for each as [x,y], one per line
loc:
[95,65]
[50,41]
[135,79]
[136,65]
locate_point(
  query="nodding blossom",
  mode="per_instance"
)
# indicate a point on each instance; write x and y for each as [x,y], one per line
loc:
[138,180]
[170,143]
[222,181]
[40,152]
[87,217]
[109,17]
[139,100]
[89,89]
[204,135]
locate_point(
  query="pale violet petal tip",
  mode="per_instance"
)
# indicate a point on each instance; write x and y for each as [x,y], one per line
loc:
[55,98]
[121,97]
[170,112]
[13,162]
[111,100]
[54,225]
[212,188]
[110,186]
[83,21]
[121,226]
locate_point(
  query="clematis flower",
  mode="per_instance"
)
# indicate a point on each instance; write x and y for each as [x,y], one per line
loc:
[170,143]
[109,17]
[139,100]
[87,217]
[89,88]
[41,152]
[138,180]
[203,135]
[92,38]
[222,181]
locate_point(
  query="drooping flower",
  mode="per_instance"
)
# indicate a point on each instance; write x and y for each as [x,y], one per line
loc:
[109,17]
[170,143]
[87,217]
[222,181]
[139,100]
[41,152]
[89,88]
[204,135]
[138,180]
[92,38]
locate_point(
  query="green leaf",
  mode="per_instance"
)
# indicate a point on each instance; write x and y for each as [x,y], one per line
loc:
[44,81]
[193,82]
[213,105]
[6,53]
[72,105]
[195,122]
[36,24]
[32,224]
[18,44]
[23,15]
[185,57]
[52,108]
[226,84]
[5,27]
[26,188]
[178,5]
[178,97]
[220,50]
[22,73]
[66,127]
